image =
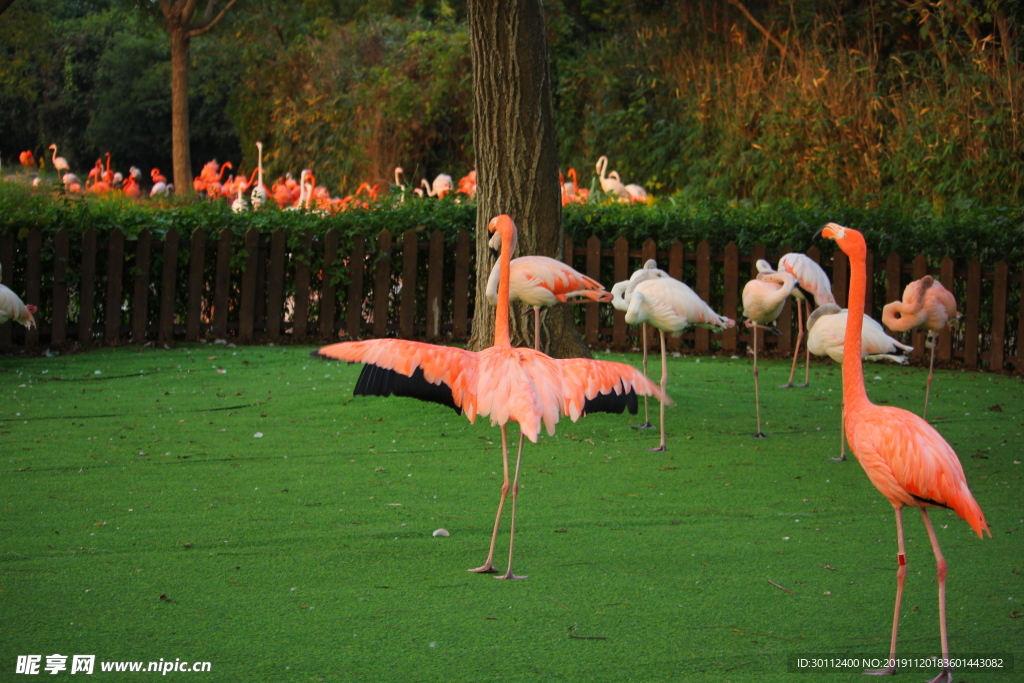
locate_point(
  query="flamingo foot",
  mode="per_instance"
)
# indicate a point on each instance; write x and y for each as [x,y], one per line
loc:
[945,677]
[887,671]
[645,425]
[787,385]
[760,435]
[839,459]
[486,569]
[659,449]
[509,575]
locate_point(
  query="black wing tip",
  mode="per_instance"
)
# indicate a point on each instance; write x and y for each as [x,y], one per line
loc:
[377,381]
[612,402]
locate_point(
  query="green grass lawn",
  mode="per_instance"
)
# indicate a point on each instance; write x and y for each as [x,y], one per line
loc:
[238,506]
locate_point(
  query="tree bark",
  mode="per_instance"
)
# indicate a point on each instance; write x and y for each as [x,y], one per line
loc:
[517,163]
[181,155]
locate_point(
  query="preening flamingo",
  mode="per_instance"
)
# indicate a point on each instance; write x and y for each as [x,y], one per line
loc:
[826,332]
[28,161]
[814,284]
[505,383]
[670,306]
[763,299]
[442,185]
[621,293]
[59,163]
[611,185]
[906,459]
[13,308]
[467,184]
[540,281]
[636,192]
[926,305]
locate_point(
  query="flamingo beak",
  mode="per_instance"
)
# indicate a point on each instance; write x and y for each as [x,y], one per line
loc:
[832,231]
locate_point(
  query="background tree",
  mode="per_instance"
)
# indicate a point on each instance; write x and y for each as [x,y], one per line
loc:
[516,153]
[182,30]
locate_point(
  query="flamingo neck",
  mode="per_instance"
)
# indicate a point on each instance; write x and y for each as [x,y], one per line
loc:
[854,392]
[501,330]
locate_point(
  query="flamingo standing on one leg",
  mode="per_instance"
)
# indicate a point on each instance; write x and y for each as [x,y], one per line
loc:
[541,281]
[814,284]
[611,185]
[826,332]
[508,384]
[906,459]
[670,306]
[926,305]
[763,299]
[621,293]
[259,194]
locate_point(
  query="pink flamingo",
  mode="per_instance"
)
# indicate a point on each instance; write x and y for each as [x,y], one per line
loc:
[926,305]
[508,384]
[541,281]
[814,284]
[903,456]
[763,299]
[670,306]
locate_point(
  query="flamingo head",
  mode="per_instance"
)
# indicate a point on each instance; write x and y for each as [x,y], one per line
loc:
[504,230]
[848,239]
[31,308]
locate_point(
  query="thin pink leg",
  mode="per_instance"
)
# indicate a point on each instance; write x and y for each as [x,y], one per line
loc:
[901,575]
[536,328]
[757,398]
[512,527]
[799,338]
[488,566]
[842,433]
[807,351]
[940,572]
[643,334]
[664,385]
[931,371]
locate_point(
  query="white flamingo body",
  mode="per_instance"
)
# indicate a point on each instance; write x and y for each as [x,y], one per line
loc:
[610,184]
[826,331]
[763,299]
[59,163]
[13,308]
[259,194]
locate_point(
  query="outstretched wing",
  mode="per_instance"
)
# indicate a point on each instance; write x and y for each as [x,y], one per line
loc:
[594,386]
[439,374]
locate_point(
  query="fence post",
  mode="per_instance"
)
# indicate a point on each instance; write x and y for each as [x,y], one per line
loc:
[592,314]
[354,303]
[460,302]
[196,284]
[999,296]
[168,285]
[59,326]
[115,273]
[33,279]
[7,268]
[840,277]
[703,288]
[972,310]
[730,295]
[382,284]
[247,297]
[87,288]
[222,285]
[275,284]
[140,295]
[648,251]
[328,291]
[619,338]
[302,258]
[435,284]
[407,306]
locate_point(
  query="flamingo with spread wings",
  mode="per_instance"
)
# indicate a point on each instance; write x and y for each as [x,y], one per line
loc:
[505,383]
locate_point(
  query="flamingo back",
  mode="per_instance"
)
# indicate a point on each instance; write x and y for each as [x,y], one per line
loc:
[671,306]
[909,462]
[826,330]
[544,281]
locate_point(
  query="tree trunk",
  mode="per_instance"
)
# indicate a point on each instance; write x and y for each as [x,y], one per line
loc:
[516,155]
[181,156]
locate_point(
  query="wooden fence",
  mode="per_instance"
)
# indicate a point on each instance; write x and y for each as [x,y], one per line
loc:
[265,288]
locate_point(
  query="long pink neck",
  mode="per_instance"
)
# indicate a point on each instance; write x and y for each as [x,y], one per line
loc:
[501,332]
[854,392]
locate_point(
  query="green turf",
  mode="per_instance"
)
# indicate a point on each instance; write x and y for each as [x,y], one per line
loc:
[144,518]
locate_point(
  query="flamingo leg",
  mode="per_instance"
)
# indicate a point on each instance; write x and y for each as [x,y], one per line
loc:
[796,349]
[664,383]
[901,575]
[940,571]
[512,527]
[931,371]
[757,398]
[842,434]
[647,420]
[488,566]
